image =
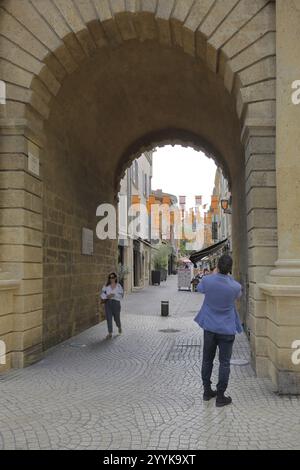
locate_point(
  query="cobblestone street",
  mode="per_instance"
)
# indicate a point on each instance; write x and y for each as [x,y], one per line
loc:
[141,390]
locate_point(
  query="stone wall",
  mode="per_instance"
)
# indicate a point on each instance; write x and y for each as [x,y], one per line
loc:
[71,283]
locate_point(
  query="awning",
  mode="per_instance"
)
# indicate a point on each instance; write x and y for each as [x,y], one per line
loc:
[208,251]
[184,260]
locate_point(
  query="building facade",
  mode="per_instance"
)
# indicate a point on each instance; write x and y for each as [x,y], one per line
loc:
[166,233]
[221,217]
[134,242]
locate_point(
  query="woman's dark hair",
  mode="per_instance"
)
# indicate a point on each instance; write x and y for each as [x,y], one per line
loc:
[225,264]
[109,276]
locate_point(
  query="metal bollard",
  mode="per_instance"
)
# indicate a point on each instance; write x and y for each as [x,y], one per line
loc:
[164,308]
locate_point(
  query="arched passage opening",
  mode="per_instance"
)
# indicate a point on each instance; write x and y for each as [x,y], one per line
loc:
[187,186]
[124,100]
[187,138]
[105,82]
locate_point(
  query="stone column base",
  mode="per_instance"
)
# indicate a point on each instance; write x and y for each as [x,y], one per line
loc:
[8,285]
[282,332]
[20,333]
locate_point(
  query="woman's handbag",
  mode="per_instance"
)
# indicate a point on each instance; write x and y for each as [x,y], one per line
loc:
[102,301]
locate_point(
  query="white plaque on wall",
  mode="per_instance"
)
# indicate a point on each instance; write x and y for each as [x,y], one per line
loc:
[87,241]
[33,164]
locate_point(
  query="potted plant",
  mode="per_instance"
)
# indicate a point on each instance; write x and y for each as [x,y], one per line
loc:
[123,270]
[160,264]
[155,273]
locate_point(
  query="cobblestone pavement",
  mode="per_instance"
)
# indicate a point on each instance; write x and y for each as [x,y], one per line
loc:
[141,390]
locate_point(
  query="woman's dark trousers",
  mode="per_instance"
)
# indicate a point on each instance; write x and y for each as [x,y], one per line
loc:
[112,311]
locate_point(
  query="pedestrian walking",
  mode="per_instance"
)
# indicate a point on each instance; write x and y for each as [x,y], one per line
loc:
[195,281]
[220,321]
[111,295]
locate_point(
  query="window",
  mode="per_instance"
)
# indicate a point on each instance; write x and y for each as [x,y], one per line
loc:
[135,173]
[215,230]
[145,184]
[2,92]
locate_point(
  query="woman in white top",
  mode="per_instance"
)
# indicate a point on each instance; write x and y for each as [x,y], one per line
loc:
[111,294]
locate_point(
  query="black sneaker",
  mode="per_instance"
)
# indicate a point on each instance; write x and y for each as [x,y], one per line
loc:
[223,401]
[208,394]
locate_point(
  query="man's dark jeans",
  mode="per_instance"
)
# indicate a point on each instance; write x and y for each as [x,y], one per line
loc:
[224,343]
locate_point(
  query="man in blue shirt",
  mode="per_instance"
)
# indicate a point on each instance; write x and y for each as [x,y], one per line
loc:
[219,319]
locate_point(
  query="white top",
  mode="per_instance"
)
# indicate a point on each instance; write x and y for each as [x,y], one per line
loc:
[117,292]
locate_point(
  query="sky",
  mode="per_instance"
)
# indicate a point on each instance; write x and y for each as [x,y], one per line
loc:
[183,172]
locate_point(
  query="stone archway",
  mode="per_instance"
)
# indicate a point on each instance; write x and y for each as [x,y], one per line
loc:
[88,80]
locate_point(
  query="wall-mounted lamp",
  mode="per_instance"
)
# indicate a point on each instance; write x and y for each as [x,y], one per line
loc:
[225,206]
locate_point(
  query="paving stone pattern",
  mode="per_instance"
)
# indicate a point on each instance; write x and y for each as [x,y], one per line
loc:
[141,390]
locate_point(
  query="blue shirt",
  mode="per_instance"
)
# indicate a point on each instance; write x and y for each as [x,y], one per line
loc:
[218,312]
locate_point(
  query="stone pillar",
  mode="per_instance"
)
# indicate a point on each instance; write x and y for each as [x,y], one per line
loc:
[282,286]
[288,136]
[259,145]
[21,238]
